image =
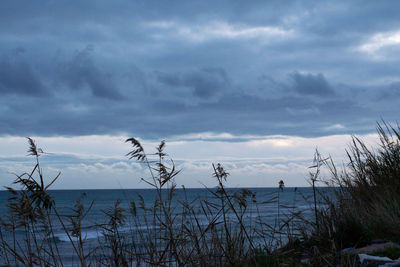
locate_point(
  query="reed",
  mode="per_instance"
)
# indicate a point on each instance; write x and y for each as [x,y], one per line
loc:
[173,233]
[169,232]
[366,205]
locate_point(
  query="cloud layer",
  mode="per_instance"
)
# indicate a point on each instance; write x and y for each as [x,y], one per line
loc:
[156,70]
[255,86]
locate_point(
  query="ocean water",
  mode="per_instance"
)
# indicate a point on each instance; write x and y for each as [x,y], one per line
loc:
[261,206]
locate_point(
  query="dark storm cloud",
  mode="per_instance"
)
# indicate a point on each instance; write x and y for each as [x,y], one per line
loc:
[18,77]
[156,69]
[309,84]
[204,83]
[81,73]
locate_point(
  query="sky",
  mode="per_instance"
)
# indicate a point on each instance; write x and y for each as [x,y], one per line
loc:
[256,86]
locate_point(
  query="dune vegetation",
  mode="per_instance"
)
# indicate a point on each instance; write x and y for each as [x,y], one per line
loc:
[365,206]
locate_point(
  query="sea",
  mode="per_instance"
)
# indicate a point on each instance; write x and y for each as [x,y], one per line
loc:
[268,206]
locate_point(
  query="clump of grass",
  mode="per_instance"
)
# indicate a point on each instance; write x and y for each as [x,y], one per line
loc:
[32,211]
[366,205]
[184,240]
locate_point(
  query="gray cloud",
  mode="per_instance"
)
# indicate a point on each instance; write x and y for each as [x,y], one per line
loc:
[309,84]
[82,73]
[204,83]
[158,69]
[18,77]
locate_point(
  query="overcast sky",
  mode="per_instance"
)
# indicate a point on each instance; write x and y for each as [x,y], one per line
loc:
[244,83]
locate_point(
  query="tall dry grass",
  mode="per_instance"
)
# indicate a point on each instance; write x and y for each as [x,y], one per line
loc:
[164,233]
[170,233]
[367,201]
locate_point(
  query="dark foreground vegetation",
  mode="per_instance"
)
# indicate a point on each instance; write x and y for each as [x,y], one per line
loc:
[366,207]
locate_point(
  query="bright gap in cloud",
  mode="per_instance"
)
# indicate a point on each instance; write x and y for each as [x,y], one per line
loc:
[379,41]
[334,127]
[216,30]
